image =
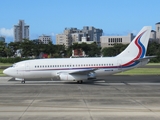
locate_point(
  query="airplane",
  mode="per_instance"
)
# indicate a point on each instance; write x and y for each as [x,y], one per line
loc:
[81,69]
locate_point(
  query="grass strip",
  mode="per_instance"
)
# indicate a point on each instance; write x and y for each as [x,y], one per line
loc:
[1,73]
[153,64]
[5,64]
[141,71]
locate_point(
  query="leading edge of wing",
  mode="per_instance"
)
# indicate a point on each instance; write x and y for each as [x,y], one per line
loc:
[84,71]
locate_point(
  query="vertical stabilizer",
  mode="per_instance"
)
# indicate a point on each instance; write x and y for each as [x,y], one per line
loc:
[138,47]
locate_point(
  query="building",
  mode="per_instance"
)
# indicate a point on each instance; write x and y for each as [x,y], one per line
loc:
[153,36]
[109,41]
[158,32]
[73,35]
[2,39]
[78,53]
[45,39]
[62,39]
[21,31]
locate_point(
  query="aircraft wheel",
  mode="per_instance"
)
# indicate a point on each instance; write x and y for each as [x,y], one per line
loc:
[80,81]
[23,81]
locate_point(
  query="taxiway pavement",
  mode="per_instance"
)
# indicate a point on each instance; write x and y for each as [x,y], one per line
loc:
[112,98]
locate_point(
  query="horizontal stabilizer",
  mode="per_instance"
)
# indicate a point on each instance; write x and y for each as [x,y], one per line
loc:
[142,59]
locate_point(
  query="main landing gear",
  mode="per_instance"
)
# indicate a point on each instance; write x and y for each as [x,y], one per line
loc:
[23,81]
[80,81]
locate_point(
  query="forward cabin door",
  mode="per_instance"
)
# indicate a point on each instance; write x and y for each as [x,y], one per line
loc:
[27,67]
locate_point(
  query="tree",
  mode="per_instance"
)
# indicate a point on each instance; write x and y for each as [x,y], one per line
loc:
[2,49]
[154,49]
[13,46]
[27,47]
[115,50]
[8,52]
[94,50]
[91,50]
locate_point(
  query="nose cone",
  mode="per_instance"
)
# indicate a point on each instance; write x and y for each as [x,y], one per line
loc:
[7,72]
[4,71]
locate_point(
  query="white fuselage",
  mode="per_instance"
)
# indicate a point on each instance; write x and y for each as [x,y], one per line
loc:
[50,68]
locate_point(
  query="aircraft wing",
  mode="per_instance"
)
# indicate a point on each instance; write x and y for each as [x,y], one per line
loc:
[82,72]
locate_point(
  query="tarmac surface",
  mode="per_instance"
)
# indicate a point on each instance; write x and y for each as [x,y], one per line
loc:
[114,97]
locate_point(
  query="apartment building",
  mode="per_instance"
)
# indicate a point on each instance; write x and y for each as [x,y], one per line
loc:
[158,32]
[73,35]
[21,31]
[45,39]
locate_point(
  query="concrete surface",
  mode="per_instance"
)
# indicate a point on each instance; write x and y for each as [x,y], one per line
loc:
[111,98]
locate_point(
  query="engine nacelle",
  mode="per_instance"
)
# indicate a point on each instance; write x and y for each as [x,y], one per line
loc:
[55,74]
[72,77]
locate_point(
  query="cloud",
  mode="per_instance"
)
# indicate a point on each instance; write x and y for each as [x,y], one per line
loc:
[6,32]
[52,34]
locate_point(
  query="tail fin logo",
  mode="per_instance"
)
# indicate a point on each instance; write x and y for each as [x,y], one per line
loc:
[140,46]
[141,52]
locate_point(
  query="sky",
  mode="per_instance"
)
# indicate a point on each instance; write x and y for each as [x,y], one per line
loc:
[51,17]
